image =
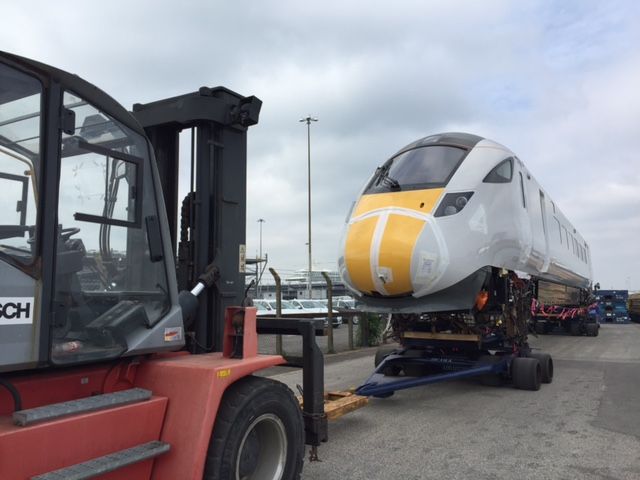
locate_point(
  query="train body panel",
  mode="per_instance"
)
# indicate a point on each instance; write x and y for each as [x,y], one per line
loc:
[431,222]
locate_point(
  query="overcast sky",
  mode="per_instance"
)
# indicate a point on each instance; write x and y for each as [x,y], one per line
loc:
[557,82]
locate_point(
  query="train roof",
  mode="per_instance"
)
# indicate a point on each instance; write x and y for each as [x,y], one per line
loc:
[466,140]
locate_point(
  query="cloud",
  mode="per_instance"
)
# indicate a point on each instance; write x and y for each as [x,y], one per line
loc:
[554,81]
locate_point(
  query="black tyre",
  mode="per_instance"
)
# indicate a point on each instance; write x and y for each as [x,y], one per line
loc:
[592,329]
[491,379]
[526,373]
[546,366]
[258,433]
[540,328]
[381,354]
[574,329]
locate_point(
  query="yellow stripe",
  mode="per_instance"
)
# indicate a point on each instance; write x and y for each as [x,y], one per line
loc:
[419,200]
[358,253]
[396,248]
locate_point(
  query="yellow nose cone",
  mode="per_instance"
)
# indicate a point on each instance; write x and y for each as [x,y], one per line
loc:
[379,246]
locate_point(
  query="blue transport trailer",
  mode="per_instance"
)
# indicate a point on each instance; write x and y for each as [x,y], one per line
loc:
[422,361]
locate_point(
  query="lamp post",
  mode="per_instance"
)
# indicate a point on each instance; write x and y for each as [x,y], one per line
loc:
[308,119]
[260,221]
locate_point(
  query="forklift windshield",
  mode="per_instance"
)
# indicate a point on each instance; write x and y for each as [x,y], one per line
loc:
[20,98]
[110,287]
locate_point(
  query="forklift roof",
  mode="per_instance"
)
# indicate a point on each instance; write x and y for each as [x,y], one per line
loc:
[78,86]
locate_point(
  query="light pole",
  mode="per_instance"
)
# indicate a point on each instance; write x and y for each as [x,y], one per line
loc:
[260,221]
[308,119]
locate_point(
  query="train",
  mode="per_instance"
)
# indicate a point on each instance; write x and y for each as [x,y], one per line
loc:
[457,242]
[443,220]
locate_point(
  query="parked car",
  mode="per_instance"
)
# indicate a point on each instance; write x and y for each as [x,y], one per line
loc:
[312,306]
[286,306]
[263,307]
[346,304]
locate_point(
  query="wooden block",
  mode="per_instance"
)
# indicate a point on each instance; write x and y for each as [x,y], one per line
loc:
[337,408]
[442,336]
[337,404]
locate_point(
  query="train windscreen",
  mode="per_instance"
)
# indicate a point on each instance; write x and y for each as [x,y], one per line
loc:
[423,167]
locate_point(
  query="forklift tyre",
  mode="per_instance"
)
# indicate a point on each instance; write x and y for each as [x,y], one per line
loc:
[592,329]
[258,433]
[526,373]
[546,366]
[381,354]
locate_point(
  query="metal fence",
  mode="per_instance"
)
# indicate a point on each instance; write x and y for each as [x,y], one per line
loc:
[351,335]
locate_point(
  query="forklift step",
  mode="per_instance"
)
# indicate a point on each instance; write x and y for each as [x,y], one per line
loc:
[107,463]
[54,411]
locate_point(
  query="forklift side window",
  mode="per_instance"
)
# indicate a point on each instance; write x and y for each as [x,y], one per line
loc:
[20,104]
[108,289]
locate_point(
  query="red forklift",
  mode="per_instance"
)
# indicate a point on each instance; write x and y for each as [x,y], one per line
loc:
[128,343]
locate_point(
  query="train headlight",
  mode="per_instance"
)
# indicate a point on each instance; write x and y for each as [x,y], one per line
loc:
[453,203]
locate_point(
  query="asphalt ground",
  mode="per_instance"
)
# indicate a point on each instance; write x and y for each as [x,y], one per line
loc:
[584,425]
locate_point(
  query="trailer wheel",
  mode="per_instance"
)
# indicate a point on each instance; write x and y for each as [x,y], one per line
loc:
[526,373]
[491,379]
[546,366]
[540,328]
[592,329]
[574,329]
[381,354]
[258,433]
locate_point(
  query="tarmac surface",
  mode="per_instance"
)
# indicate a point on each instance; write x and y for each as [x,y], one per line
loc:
[584,425]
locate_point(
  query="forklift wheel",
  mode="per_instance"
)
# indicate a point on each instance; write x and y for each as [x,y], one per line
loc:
[526,373]
[258,433]
[546,366]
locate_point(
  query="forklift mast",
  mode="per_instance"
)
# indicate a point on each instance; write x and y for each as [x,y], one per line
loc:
[218,120]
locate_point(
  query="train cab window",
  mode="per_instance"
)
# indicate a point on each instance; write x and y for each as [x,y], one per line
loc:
[418,168]
[501,173]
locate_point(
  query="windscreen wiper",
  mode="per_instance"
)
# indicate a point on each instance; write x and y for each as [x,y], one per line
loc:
[385,179]
[390,182]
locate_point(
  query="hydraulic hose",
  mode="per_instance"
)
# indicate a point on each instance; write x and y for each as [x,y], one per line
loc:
[17,400]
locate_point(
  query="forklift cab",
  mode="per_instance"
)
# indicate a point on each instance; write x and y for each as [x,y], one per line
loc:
[86,264]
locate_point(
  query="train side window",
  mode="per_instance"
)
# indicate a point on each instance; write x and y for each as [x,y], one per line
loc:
[524,201]
[501,173]
[559,229]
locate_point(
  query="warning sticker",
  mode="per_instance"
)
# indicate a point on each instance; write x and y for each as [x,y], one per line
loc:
[173,334]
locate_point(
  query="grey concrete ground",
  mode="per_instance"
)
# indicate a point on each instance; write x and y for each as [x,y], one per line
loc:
[585,425]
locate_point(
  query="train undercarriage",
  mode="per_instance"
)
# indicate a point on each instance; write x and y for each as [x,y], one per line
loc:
[489,341]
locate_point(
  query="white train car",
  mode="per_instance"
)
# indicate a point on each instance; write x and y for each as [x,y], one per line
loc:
[442,216]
